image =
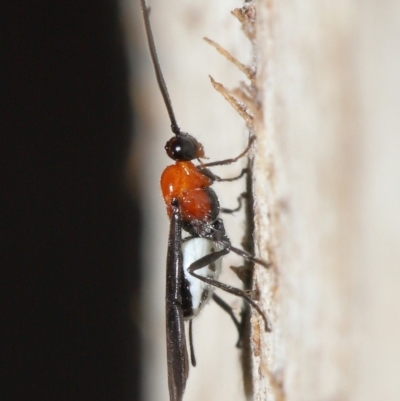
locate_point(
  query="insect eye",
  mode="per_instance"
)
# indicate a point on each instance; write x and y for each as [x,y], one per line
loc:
[184,148]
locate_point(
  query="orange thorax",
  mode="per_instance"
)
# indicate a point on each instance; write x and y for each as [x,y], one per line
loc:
[186,183]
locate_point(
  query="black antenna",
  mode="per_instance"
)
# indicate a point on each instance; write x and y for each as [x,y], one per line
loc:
[160,78]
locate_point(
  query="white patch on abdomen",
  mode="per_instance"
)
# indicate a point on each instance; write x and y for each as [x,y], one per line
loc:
[193,250]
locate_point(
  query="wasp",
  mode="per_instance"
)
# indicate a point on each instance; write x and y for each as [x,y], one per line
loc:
[193,263]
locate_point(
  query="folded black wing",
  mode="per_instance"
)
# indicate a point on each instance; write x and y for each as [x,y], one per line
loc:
[178,367]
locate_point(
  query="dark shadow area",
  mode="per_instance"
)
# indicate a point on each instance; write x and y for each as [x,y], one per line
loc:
[70,232]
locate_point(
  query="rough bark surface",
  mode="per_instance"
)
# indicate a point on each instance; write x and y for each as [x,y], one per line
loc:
[327,193]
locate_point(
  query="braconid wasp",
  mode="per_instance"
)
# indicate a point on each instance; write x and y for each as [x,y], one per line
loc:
[193,263]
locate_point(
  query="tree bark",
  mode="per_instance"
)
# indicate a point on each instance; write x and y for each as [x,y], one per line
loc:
[327,190]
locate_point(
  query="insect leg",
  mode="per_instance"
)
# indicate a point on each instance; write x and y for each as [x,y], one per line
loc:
[242,173]
[231,211]
[249,257]
[220,302]
[234,159]
[208,259]
[208,173]
[191,346]
[215,177]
